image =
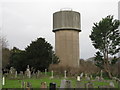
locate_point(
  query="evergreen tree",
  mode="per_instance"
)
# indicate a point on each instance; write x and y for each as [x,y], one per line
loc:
[40,54]
[105,37]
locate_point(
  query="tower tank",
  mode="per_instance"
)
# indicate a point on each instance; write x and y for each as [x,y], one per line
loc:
[66,26]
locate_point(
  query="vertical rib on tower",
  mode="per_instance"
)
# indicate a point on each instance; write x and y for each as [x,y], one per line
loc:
[66,25]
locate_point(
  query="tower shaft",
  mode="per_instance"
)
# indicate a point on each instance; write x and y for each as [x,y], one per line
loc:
[66,25]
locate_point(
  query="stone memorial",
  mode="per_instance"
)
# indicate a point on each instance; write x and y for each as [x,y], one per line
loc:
[78,78]
[65,84]
[111,84]
[97,78]
[38,73]
[28,85]
[79,84]
[89,85]
[101,73]
[12,72]
[23,84]
[45,71]
[81,75]
[43,85]
[15,74]
[52,86]
[28,72]
[52,74]
[88,78]
[21,74]
[3,81]
[65,76]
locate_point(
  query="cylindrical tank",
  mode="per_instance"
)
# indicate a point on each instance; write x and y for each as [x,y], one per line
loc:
[66,25]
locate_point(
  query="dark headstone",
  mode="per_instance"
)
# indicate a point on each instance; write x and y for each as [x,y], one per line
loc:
[52,86]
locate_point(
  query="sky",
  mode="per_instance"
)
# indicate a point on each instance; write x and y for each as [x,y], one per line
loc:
[23,21]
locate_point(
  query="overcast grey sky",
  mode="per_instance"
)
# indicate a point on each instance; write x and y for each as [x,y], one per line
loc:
[22,21]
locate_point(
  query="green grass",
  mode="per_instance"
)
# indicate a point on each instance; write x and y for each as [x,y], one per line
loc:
[36,83]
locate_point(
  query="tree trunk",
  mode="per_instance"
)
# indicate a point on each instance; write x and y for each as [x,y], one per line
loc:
[107,69]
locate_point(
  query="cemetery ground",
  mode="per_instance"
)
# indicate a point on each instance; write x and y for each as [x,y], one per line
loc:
[36,82]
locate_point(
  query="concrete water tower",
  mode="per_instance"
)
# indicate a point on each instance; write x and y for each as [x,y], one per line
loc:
[66,26]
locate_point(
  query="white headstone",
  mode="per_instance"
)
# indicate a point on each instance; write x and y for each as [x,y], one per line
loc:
[3,81]
[78,78]
[81,75]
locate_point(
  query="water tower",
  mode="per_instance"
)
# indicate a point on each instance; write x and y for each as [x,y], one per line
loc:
[66,26]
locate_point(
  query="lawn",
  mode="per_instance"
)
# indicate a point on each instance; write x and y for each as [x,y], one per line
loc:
[36,83]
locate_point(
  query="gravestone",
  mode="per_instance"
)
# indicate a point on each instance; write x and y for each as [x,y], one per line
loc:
[79,84]
[28,72]
[52,86]
[97,78]
[15,74]
[45,71]
[28,85]
[23,84]
[111,84]
[78,78]
[21,74]
[65,84]
[38,73]
[12,72]
[52,74]
[65,76]
[81,75]
[88,78]
[91,77]
[3,81]
[101,73]
[89,85]
[101,76]
[43,85]
[33,74]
